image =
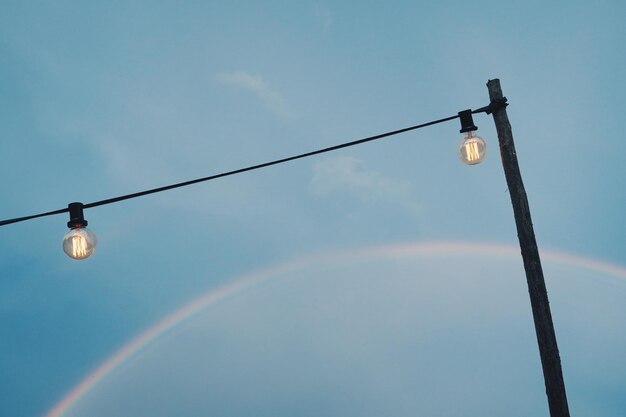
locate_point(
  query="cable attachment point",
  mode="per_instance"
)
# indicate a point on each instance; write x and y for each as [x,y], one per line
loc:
[493,106]
[496,104]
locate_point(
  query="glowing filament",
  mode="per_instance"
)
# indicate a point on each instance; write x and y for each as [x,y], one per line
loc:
[471,150]
[79,247]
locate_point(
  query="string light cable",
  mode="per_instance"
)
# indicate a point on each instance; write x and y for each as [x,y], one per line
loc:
[471,151]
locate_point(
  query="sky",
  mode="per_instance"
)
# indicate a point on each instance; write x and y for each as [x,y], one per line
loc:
[359,340]
[104,99]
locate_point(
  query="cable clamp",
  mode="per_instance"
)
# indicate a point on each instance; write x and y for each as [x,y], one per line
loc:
[496,104]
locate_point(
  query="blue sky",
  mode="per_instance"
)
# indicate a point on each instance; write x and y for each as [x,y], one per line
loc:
[391,331]
[105,99]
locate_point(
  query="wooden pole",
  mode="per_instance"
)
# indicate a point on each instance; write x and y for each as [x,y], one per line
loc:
[546,338]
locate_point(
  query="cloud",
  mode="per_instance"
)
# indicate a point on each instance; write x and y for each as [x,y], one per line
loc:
[346,175]
[324,16]
[128,165]
[270,98]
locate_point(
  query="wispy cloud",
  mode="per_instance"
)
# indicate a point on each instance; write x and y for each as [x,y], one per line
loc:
[346,175]
[324,16]
[270,98]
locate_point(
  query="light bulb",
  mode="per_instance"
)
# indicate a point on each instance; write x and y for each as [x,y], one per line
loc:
[79,243]
[472,149]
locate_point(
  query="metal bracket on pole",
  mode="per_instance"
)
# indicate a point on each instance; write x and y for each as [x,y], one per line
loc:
[496,104]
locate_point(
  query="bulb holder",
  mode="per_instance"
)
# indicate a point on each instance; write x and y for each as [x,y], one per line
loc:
[79,242]
[77,218]
[467,121]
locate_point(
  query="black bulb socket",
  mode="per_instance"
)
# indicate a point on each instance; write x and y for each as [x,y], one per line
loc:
[77,218]
[467,122]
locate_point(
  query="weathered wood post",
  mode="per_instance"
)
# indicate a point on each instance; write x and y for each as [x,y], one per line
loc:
[546,338]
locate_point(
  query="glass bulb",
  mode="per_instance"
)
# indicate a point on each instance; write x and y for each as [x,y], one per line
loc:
[472,149]
[79,243]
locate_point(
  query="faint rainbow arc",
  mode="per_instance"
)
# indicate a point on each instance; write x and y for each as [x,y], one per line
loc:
[247,281]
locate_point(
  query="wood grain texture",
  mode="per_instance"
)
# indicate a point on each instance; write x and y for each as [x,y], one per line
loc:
[546,338]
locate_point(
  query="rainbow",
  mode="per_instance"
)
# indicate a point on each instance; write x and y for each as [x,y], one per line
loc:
[163,327]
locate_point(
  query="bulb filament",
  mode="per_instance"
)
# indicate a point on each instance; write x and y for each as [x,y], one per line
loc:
[79,247]
[471,149]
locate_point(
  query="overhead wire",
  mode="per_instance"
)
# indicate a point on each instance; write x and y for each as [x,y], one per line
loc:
[233,172]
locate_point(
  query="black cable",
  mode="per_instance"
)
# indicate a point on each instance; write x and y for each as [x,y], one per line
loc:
[228,173]
[34,216]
